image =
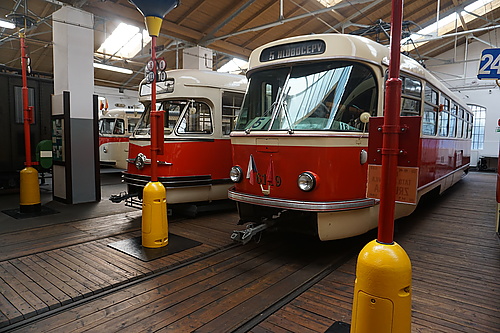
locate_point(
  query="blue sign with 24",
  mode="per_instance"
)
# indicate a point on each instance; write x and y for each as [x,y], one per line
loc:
[489,67]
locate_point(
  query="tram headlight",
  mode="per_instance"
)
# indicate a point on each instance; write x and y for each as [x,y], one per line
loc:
[236,174]
[306,181]
[140,161]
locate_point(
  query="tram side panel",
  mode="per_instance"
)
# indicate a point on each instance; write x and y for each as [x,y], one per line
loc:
[191,165]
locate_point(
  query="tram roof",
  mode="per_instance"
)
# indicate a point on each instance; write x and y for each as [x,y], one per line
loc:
[351,47]
[206,78]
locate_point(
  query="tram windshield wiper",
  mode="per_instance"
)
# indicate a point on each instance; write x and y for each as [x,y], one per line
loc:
[281,104]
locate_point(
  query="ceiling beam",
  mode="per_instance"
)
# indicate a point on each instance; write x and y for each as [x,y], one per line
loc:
[228,19]
[286,20]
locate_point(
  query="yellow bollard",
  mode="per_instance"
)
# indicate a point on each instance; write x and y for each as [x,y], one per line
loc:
[382,290]
[29,195]
[154,216]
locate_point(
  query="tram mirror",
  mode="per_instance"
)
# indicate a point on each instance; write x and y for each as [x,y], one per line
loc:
[364,117]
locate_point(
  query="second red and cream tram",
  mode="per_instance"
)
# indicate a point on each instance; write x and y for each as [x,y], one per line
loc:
[115,128]
[200,111]
[301,146]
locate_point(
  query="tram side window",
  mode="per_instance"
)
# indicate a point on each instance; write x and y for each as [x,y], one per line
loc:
[444,116]
[410,100]
[470,125]
[460,122]
[131,124]
[429,120]
[231,104]
[197,119]
[453,120]
[119,127]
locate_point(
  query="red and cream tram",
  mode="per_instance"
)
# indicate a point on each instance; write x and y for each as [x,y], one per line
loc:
[115,128]
[300,145]
[200,110]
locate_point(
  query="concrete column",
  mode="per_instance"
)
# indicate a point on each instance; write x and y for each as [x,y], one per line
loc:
[76,175]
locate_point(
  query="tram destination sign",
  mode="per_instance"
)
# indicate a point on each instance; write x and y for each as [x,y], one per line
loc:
[291,50]
[489,67]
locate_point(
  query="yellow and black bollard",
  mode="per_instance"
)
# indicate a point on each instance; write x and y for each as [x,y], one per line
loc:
[29,191]
[154,216]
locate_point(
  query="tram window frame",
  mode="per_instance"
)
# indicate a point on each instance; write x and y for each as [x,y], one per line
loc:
[131,123]
[119,127]
[429,118]
[200,119]
[231,105]
[18,103]
[470,122]
[411,95]
[453,121]
[460,122]
[444,112]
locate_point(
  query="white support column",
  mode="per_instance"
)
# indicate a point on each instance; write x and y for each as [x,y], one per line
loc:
[75,177]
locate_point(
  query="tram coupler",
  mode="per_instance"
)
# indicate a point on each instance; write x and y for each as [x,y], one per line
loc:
[117,198]
[244,236]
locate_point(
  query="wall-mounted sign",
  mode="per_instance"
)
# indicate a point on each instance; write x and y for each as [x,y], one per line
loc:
[489,67]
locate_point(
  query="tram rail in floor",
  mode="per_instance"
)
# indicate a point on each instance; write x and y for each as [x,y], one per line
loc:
[86,286]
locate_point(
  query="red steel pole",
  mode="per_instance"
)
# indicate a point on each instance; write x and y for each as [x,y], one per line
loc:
[154,117]
[26,109]
[390,131]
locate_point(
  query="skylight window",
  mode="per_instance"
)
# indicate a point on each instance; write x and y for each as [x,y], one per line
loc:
[329,3]
[447,24]
[125,41]
[235,65]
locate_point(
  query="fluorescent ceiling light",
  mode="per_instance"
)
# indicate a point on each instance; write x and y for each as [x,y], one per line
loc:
[7,24]
[113,68]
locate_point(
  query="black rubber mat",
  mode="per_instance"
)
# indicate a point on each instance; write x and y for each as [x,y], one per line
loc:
[15,213]
[134,248]
[339,327]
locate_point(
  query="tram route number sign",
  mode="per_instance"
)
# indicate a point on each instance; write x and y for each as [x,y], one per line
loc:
[406,183]
[160,74]
[489,67]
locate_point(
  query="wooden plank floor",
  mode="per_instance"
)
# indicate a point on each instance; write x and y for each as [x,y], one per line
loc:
[86,286]
[52,266]
[455,257]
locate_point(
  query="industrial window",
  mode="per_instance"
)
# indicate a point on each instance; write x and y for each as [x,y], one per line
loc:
[479,113]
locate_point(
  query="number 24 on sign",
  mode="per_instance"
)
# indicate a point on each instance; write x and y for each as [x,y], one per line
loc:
[489,67]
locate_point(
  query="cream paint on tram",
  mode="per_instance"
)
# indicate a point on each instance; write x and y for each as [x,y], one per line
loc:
[302,140]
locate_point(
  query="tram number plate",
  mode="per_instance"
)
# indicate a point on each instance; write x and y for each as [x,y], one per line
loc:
[406,183]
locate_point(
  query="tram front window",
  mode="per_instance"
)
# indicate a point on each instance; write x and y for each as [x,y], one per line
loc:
[196,118]
[321,96]
[111,126]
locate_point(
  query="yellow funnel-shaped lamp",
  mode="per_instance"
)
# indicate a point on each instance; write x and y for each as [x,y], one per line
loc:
[154,11]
